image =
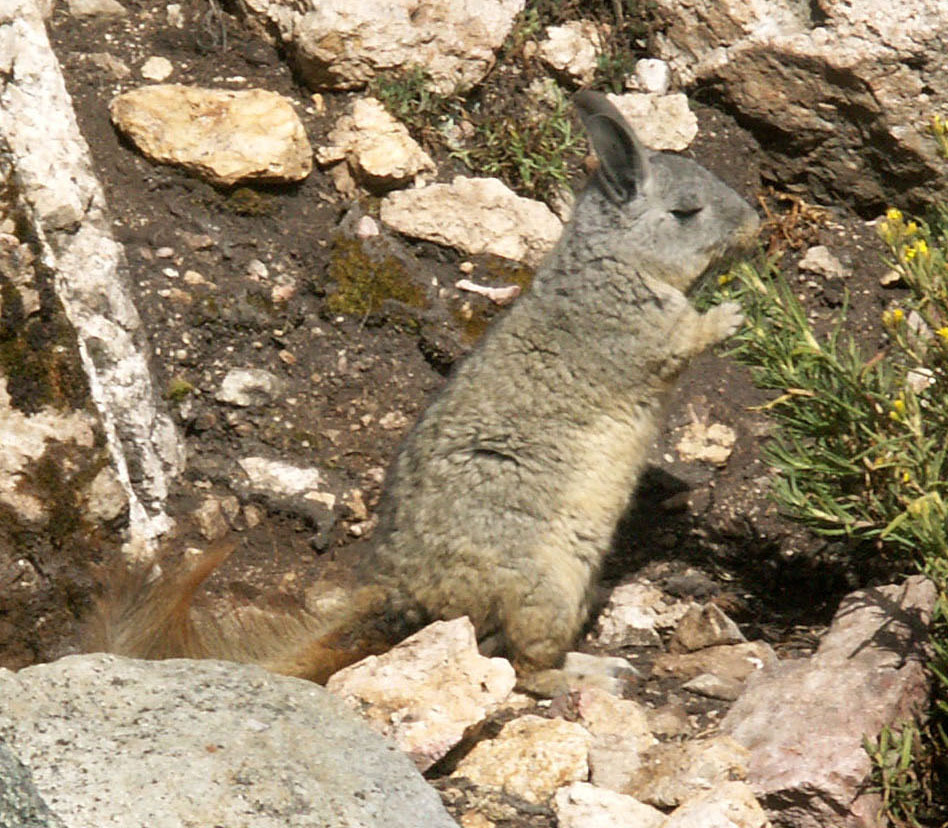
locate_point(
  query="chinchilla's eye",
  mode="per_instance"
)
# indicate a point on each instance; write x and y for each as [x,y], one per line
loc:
[683,213]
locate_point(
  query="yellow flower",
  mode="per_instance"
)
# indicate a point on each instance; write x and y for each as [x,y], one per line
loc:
[893,214]
[943,332]
[724,278]
[906,477]
[920,248]
[911,228]
[899,406]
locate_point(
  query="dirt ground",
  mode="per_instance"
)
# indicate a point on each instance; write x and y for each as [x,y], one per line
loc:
[700,530]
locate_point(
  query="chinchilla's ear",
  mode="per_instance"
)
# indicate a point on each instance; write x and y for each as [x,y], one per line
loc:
[623,162]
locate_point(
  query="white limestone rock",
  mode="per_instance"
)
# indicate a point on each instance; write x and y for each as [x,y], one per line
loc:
[475,215]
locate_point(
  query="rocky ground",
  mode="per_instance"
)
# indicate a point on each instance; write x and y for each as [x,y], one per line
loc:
[245,278]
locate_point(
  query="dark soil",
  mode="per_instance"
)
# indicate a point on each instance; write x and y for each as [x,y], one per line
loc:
[701,530]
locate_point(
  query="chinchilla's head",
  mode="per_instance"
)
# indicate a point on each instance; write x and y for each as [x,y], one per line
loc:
[663,214]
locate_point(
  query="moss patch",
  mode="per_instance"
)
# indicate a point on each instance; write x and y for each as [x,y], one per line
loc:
[38,354]
[365,282]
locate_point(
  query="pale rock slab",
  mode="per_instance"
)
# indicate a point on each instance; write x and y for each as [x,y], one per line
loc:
[380,152]
[661,122]
[343,44]
[530,758]
[730,661]
[284,480]
[222,135]
[727,805]
[820,260]
[704,626]
[168,744]
[672,772]
[475,215]
[807,765]
[849,86]
[249,387]
[425,692]
[96,8]
[573,49]
[610,674]
[582,805]
[621,735]
[714,687]
[66,207]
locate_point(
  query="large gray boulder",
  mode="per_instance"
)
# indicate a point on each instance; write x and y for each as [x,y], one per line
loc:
[112,741]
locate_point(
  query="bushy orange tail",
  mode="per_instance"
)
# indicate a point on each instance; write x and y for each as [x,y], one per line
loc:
[142,616]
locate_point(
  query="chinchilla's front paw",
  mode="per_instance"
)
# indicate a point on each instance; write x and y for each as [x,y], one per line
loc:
[724,320]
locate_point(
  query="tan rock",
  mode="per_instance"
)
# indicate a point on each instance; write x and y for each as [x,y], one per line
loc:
[379,150]
[728,804]
[704,626]
[424,693]
[116,67]
[671,772]
[735,661]
[708,443]
[224,136]
[531,757]
[573,49]
[105,499]
[653,76]
[475,215]
[821,261]
[211,519]
[714,687]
